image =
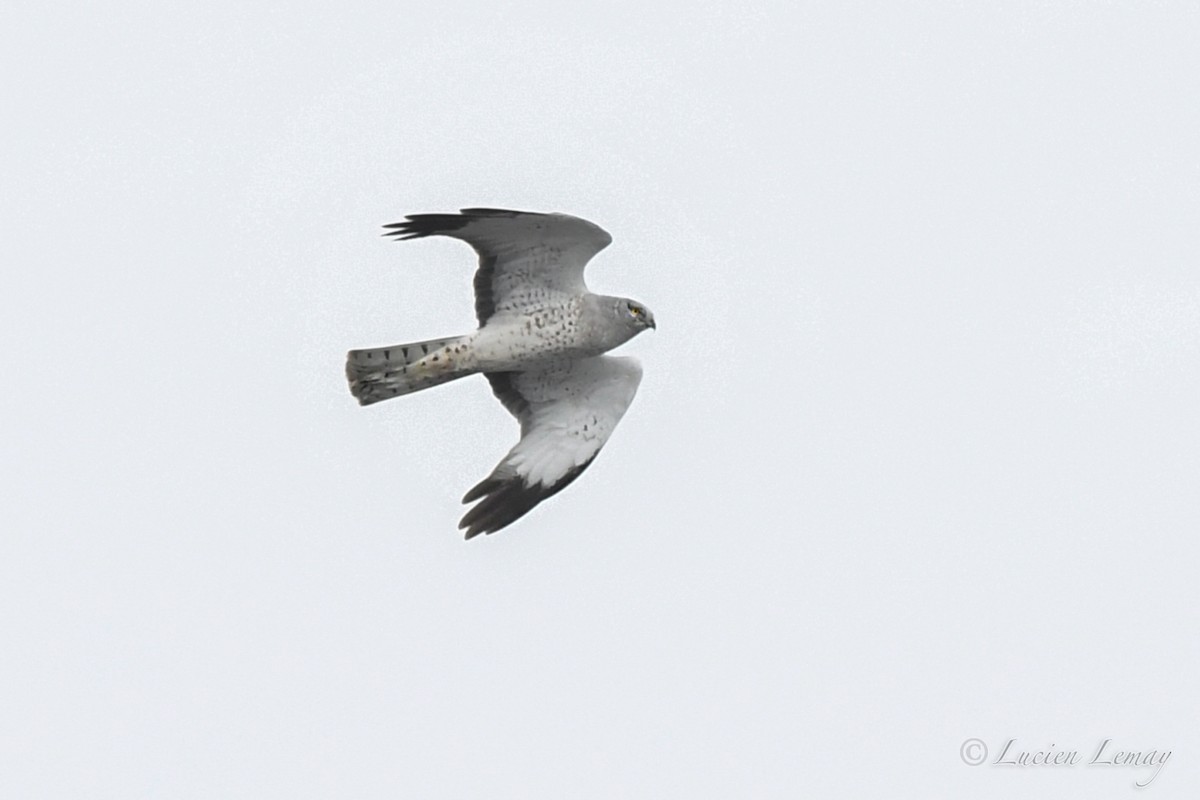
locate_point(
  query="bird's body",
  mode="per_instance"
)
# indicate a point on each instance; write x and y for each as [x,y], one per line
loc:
[541,342]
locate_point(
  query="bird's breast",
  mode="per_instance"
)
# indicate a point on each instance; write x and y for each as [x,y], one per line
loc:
[510,342]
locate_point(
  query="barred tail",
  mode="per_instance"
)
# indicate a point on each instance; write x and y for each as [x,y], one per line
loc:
[386,372]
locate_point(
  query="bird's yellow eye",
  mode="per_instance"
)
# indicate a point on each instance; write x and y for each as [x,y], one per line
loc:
[635,310]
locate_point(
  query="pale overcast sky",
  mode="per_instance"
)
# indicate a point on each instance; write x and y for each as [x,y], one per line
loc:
[914,460]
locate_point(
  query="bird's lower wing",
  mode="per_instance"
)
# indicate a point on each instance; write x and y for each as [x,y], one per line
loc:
[567,412]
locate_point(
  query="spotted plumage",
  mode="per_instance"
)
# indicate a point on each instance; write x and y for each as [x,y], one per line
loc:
[540,343]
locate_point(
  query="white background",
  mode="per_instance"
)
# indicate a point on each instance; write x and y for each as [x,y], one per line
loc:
[914,460]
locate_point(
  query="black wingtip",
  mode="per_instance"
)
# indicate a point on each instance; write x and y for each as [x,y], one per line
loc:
[485,486]
[503,502]
[415,226]
[497,212]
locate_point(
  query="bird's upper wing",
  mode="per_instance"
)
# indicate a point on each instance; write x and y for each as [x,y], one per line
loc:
[524,257]
[567,411]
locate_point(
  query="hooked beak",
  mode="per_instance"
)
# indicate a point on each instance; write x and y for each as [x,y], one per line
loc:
[651,324]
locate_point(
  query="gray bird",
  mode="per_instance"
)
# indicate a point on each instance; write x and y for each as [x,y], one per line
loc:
[540,343]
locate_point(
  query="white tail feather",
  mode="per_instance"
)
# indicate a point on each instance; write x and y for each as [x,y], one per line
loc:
[385,372]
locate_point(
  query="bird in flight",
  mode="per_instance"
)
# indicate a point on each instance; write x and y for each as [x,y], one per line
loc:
[541,342]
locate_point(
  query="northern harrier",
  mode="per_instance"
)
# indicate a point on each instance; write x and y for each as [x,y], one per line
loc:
[540,343]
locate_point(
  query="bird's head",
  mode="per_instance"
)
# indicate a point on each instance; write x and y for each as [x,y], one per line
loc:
[635,315]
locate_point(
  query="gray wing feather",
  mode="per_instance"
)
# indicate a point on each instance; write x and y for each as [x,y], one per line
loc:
[524,256]
[567,411]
